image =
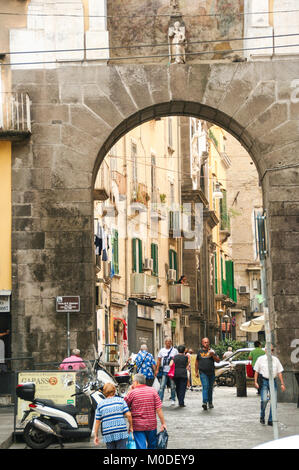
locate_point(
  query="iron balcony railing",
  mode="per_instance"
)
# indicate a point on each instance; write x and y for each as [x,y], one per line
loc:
[15,116]
[179,296]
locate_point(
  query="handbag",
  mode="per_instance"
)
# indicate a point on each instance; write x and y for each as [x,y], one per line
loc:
[156,384]
[171,371]
[131,444]
[162,439]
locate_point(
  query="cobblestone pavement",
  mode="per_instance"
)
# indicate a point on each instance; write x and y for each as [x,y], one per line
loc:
[232,424]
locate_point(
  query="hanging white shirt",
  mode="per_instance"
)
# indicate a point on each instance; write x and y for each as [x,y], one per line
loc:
[261,366]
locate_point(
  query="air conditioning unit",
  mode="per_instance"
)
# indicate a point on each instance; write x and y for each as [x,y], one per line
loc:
[168,314]
[243,290]
[185,321]
[148,264]
[171,275]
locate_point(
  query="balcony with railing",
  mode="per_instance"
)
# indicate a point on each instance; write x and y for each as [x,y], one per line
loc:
[102,185]
[139,196]
[15,117]
[144,285]
[178,296]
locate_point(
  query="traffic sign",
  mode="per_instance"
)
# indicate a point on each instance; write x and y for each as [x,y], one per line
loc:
[68,304]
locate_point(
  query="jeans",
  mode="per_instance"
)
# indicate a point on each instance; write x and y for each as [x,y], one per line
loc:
[163,386]
[121,444]
[264,397]
[180,385]
[207,382]
[146,439]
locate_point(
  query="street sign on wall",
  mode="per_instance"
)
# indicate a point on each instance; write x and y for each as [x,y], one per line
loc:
[68,304]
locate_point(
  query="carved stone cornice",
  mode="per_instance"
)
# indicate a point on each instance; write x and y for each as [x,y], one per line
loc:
[210,217]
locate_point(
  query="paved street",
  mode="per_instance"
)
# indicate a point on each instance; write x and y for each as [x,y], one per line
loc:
[232,424]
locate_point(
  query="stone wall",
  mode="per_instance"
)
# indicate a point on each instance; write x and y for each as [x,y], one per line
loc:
[78,113]
[134,23]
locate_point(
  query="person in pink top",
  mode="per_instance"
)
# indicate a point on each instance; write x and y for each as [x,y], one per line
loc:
[73,362]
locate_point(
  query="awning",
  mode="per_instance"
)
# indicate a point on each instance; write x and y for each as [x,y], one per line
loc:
[254,325]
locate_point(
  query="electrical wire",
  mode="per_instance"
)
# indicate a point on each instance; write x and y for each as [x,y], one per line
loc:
[159,15]
[164,44]
[157,56]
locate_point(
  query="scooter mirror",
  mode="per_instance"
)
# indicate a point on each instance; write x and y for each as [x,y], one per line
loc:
[70,382]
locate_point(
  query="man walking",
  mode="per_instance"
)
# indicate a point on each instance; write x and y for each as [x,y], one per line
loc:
[261,367]
[146,364]
[164,357]
[145,404]
[253,357]
[205,368]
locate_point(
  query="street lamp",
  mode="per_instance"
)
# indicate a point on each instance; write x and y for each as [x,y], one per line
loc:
[220,313]
[226,319]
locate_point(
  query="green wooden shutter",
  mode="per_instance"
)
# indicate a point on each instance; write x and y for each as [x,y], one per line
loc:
[216,273]
[154,256]
[173,261]
[140,266]
[115,252]
[223,286]
[134,260]
[230,279]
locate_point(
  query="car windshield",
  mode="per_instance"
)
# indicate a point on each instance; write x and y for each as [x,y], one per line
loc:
[240,356]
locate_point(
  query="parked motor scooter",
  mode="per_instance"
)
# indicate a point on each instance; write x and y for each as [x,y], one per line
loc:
[55,421]
[121,380]
[225,375]
[124,378]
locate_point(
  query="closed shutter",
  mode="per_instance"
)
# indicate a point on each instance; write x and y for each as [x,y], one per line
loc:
[137,255]
[154,256]
[115,252]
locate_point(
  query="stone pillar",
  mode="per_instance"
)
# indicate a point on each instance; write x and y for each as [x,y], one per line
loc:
[281,191]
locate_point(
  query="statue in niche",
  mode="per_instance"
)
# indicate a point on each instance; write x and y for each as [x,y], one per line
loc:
[174,5]
[177,43]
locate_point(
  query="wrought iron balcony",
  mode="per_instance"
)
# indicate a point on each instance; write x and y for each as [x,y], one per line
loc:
[178,296]
[15,117]
[144,285]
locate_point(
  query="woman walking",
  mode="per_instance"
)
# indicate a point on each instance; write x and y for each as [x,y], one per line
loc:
[111,415]
[181,362]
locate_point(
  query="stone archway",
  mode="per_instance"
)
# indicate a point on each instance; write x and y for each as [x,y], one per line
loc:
[79,112]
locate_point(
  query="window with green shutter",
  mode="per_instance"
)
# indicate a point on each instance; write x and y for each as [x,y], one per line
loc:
[223,279]
[231,291]
[173,261]
[154,256]
[216,273]
[115,258]
[137,255]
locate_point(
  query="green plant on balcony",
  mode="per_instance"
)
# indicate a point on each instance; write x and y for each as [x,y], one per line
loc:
[163,198]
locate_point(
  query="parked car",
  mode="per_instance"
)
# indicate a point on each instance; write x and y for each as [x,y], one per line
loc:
[240,356]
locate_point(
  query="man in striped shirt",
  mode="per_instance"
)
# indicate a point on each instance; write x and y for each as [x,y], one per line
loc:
[145,404]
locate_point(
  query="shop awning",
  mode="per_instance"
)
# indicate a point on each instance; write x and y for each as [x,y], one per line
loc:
[254,325]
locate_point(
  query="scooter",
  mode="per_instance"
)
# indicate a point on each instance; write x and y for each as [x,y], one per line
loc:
[56,422]
[225,375]
[122,380]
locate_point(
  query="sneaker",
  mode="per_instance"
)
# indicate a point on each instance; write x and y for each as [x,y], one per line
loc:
[211,405]
[270,423]
[262,421]
[172,403]
[205,406]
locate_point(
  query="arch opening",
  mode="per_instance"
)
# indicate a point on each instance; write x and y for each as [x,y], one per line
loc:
[156,183]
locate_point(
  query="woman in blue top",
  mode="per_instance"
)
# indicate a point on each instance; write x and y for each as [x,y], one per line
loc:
[110,414]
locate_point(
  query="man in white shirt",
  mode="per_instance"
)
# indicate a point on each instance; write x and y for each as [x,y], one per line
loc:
[164,357]
[261,367]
